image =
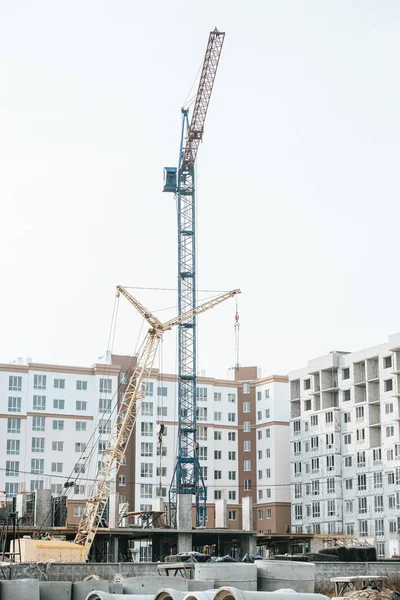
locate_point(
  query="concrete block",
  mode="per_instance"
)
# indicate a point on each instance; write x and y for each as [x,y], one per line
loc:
[230,593]
[61,590]
[221,513]
[247,513]
[20,589]
[153,584]
[276,574]
[43,509]
[184,511]
[116,588]
[185,542]
[241,575]
[169,594]
[80,589]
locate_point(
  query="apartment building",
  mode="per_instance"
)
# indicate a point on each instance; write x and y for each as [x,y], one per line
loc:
[55,421]
[345,445]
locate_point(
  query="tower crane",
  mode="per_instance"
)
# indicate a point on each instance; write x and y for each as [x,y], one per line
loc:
[123,426]
[187,477]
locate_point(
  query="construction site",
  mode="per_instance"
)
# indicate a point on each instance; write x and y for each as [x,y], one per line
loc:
[83,539]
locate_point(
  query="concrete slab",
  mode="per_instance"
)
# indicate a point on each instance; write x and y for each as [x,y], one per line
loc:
[61,590]
[277,574]
[241,575]
[20,589]
[152,585]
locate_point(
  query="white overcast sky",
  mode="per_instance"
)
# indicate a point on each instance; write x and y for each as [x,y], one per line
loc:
[298,175]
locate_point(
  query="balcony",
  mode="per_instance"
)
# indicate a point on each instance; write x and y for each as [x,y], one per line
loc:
[360,393]
[295,389]
[373,369]
[373,392]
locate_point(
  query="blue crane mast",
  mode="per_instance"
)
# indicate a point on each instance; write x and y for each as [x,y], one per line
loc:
[187,477]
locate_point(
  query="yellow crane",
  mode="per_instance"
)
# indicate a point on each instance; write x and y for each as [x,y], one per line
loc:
[112,457]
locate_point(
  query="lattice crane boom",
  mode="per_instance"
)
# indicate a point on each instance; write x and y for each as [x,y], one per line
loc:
[128,411]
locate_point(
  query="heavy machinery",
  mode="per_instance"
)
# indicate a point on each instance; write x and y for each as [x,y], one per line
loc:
[112,457]
[187,477]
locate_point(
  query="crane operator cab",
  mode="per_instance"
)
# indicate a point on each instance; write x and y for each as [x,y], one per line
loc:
[170,183]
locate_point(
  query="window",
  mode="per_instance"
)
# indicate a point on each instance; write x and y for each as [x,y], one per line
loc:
[146,490]
[316,510]
[163,451]
[307,384]
[201,394]
[390,431]
[161,471]
[314,420]
[361,459]
[149,389]
[346,396]
[260,494]
[268,433]
[38,423]
[363,528]
[231,397]
[350,529]
[80,425]
[348,484]
[391,478]
[104,405]
[266,394]
[232,515]
[315,465]
[314,442]
[15,383]
[217,435]
[268,492]
[348,506]
[14,404]
[12,468]
[39,402]
[37,444]
[259,415]
[58,446]
[59,384]
[39,382]
[203,452]
[378,503]
[123,377]
[315,487]
[232,475]
[259,396]
[347,438]
[232,495]
[37,466]
[232,417]
[105,386]
[36,485]
[246,426]
[362,482]
[202,433]
[147,409]
[246,407]
[268,473]
[162,391]
[377,455]
[297,490]
[246,445]
[204,472]
[296,427]
[330,485]
[59,404]
[81,385]
[105,427]
[378,482]
[217,396]
[11,489]
[231,436]
[360,413]
[259,434]
[260,474]
[260,514]
[331,508]
[307,405]
[59,425]
[362,505]
[217,474]
[146,449]
[329,417]
[297,468]
[387,362]
[201,412]
[81,405]
[231,455]
[246,388]
[79,468]
[146,469]
[217,416]
[146,429]
[346,373]
[247,465]
[388,385]
[80,446]
[388,408]
[267,413]
[56,467]
[13,446]
[79,510]
[247,485]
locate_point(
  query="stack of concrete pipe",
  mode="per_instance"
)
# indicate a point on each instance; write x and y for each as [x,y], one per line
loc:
[223,593]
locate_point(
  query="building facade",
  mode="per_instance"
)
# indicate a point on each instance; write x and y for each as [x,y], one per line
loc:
[55,421]
[345,445]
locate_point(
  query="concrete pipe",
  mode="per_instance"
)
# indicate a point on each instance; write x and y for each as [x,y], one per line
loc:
[230,593]
[151,584]
[277,574]
[80,589]
[206,595]
[169,594]
[238,575]
[20,589]
[49,590]
[97,595]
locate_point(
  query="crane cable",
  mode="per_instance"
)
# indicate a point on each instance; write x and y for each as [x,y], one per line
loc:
[237,332]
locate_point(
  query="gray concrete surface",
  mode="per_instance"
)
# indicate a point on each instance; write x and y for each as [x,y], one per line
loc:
[231,593]
[152,584]
[169,594]
[80,589]
[240,575]
[23,589]
[276,574]
[55,590]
